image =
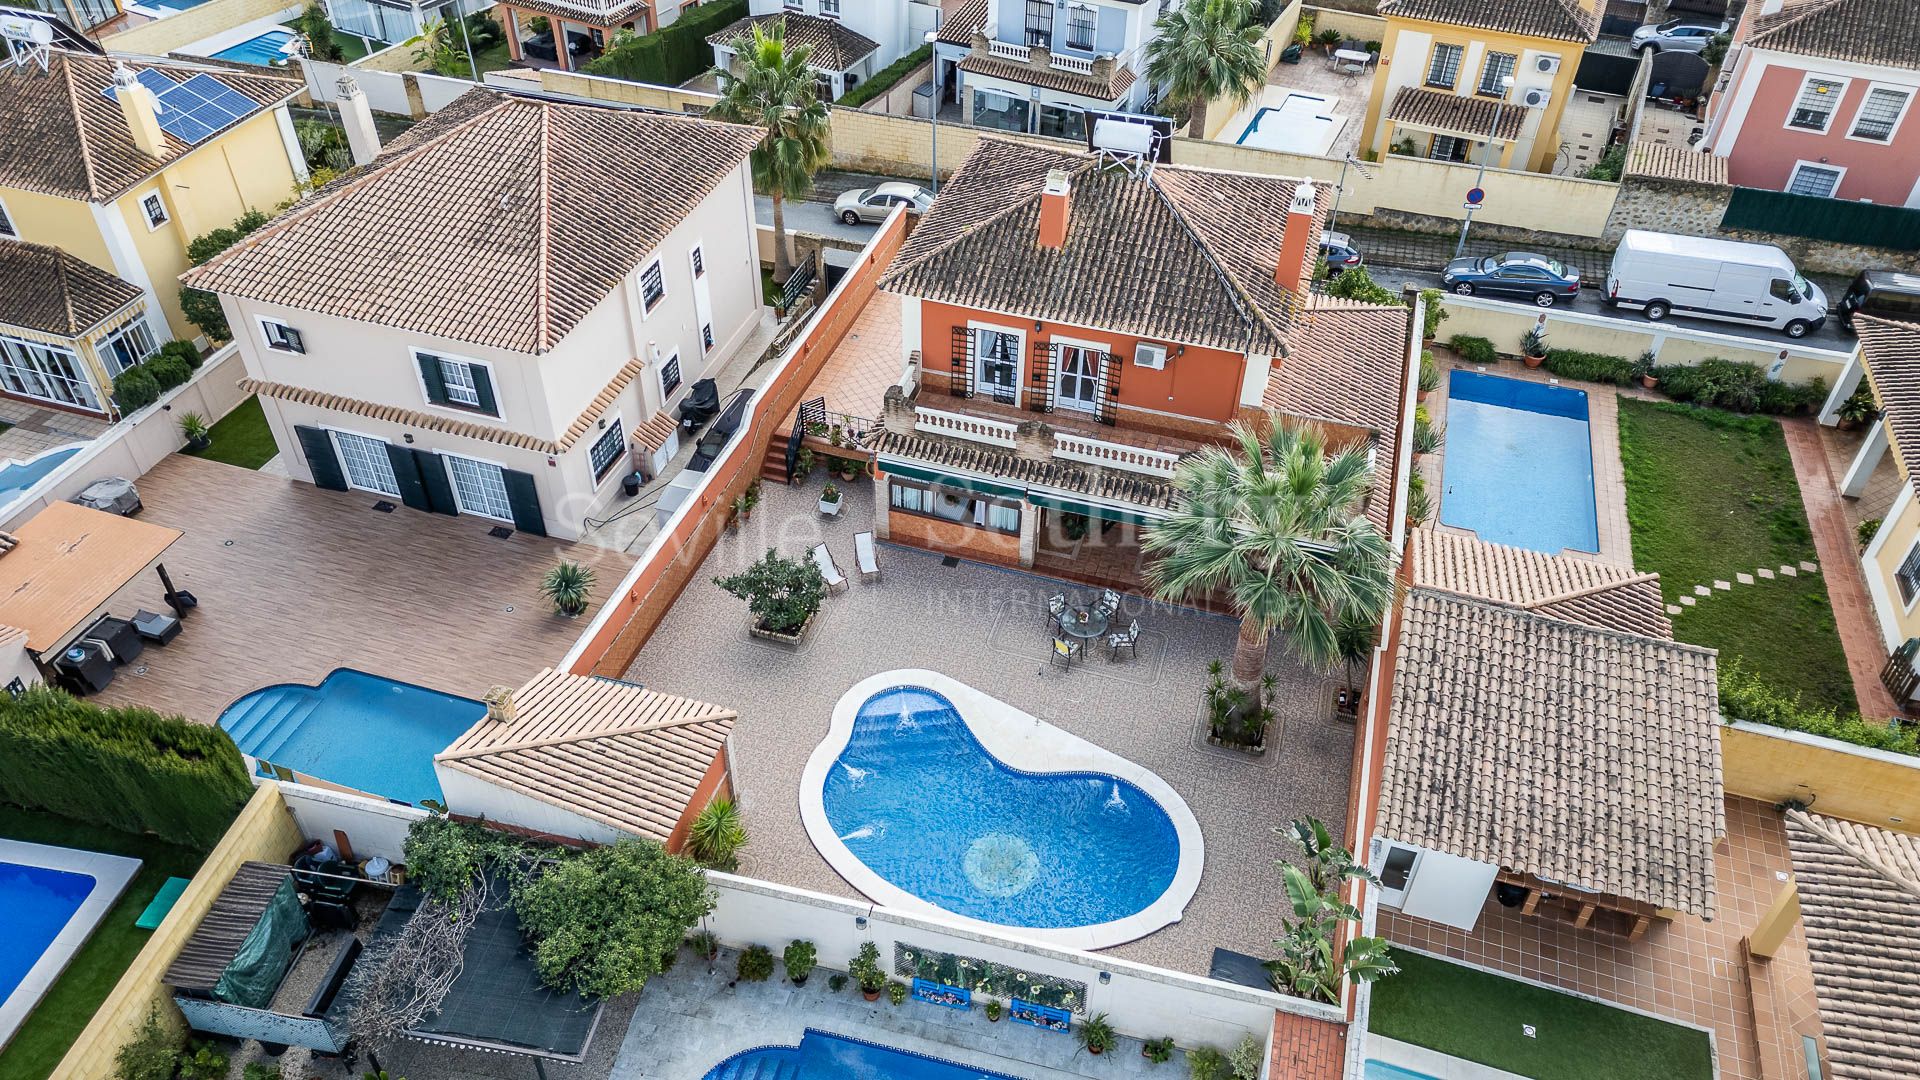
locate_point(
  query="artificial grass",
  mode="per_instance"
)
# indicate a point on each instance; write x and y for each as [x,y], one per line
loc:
[241,437]
[53,1025]
[1712,494]
[1478,1016]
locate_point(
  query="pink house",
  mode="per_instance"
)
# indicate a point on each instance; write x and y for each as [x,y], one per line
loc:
[1816,97]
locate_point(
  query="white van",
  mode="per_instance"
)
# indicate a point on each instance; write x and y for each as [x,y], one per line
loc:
[1756,284]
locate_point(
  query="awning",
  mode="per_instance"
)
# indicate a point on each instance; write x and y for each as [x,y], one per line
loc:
[1104,513]
[970,483]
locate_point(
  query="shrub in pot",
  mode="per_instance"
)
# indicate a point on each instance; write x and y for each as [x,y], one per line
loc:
[193,427]
[897,992]
[798,959]
[1642,370]
[756,964]
[1533,346]
[704,944]
[1096,1034]
[570,586]
[1159,1051]
[865,969]
[830,500]
[993,1011]
[782,594]
[1429,376]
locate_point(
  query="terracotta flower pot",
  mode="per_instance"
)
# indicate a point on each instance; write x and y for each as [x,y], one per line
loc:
[870,995]
[1534,361]
[1649,382]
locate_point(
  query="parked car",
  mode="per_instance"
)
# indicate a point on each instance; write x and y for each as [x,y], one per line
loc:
[875,203]
[1675,35]
[540,46]
[1708,278]
[1886,294]
[1337,248]
[1544,281]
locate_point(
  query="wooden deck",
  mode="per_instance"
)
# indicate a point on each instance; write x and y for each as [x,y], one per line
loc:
[294,581]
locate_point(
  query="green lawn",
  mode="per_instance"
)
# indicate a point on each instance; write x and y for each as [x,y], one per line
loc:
[241,437]
[1471,1014]
[52,1027]
[1709,495]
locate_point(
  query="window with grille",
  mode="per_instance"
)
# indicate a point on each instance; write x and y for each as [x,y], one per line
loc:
[461,388]
[670,376]
[1909,575]
[699,264]
[653,286]
[1448,148]
[1444,69]
[1814,180]
[480,488]
[1813,109]
[155,209]
[1040,23]
[706,336]
[366,463]
[131,345]
[605,452]
[1080,22]
[1498,66]
[1879,114]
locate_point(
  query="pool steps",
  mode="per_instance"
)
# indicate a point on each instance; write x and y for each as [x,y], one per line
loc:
[780,1064]
[265,724]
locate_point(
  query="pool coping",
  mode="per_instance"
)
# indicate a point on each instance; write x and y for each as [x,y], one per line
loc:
[1021,741]
[1433,1063]
[111,875]
[811,1030]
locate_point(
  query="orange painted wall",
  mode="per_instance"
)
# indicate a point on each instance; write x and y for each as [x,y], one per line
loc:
[937,535]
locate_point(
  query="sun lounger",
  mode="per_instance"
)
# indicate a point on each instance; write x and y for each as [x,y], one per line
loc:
[864,555]
[823,559]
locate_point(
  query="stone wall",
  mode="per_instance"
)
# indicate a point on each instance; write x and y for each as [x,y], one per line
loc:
[1695,209]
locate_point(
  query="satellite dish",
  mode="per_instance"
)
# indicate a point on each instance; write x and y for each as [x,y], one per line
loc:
[26,31]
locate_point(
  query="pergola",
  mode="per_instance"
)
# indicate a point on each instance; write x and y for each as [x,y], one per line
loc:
[63,566]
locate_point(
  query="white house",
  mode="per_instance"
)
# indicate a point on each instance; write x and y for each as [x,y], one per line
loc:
[851,39]
[480,320]
[1033,65]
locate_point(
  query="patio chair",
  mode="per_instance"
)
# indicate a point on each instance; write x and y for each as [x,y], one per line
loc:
[1064,651]
[864,555]
[1108,603]
[1127,641]
[823,559]
[1056,607]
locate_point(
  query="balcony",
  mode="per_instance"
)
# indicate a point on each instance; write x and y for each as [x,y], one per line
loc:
[959,426]
[1114,455]
[1038,58]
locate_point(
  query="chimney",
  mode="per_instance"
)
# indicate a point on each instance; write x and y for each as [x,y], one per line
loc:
[501,708]
[357,117]
[141,111]
[1054,200]
[1299,242]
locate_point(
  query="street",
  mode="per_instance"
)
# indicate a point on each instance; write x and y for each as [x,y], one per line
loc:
[807,216]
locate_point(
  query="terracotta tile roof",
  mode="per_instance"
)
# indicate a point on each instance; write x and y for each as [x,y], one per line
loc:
[1661,161]
[502,226]
[1861,31]
[612,16]
[969,16]
[1585,591]
[1066,82]
[66,137]
[1859,889]
[1891,352]
[1116,485]
[615,752]
[1562,20]
[1184,255]
[1469,115]
[45,289]
[836,47]
[1581,756]
[1307,1048]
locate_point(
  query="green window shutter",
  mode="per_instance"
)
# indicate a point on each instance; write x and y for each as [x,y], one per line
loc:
[321,459]
[406,473]
[483,389]
[524,497]
[435,379]
[436,482]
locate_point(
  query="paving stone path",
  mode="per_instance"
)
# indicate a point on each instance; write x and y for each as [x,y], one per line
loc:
[1764,573]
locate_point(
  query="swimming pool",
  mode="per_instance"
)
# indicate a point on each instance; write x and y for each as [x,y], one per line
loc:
[18,476]
[267,50]
[1519,463]
[928,794]
[1299,124]
[1380,1070]
[357,730]
[160,9]
[825,1056]
[52,898]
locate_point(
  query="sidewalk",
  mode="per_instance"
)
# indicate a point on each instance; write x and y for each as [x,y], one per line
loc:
[1430,251]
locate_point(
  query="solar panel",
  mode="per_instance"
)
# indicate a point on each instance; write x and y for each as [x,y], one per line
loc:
[192,111]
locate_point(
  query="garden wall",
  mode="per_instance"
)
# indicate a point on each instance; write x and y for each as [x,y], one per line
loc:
[1351,24]
[1696,209]
[898,100]
[264,831]
[1832,777]
[183,28]
[372,826]
[1275,41]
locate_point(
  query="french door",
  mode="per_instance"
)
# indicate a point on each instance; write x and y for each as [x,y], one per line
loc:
[997,373]
[1078,383]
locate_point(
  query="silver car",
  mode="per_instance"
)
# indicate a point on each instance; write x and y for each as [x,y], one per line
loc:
[1675,35]
[875,203]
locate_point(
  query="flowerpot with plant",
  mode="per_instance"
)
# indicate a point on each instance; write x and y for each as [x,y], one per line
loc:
[1429,376]
[1159,1051]
[755,964]
[1433,311]
[1096,1034]
[798,959]
[830,501]
[849,469]
[993,1011]
[782,595]
[897,992]
[193,427]
[803,463]
[1642,370]
[570,586]
[865,969]
[704,944]
[836,982]
[1858,410]
[1533,346]
[1328,40]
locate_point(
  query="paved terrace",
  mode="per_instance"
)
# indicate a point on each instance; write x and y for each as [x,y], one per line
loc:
[984,626]
[294,581]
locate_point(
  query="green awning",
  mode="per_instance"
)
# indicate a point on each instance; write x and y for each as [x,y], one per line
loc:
[1104,513]
[935,476]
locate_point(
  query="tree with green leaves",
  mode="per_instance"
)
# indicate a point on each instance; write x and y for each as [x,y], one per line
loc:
[1207,49]
[202,308]
[717,835]
[770,87]
[1309,939]
[1275,522]
[314,25]
[604,921]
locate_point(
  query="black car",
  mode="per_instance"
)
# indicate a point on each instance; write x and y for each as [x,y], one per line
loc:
[1517,273]
[1885,294]
[540,46]
[1337,248]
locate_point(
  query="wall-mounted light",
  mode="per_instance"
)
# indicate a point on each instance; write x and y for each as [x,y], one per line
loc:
[551,463]
[1038,326]
[1106,976]
[860,921]
[408,438]
[603,423]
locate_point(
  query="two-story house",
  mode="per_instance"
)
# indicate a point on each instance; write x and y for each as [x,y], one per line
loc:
[1477,80]
[1816,97]
[1034,65]
[123,162]
[480,320]
[850,39]
[1076,327]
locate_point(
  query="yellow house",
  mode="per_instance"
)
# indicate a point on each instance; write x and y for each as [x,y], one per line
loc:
[122,161]
[1456,75]
[1889,359]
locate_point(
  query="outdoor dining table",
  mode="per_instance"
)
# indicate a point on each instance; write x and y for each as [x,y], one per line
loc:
[1083,623]
[1353,56]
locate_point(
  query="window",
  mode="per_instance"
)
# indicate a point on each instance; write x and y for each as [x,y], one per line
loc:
[706,337]
[1499,66]
[1444,68]
[1002,112]
[699,264]
[997,354]
[1909,576]
[1816,180]
[653,286]
[457,384]
[461,387]
[1397,868]
[606,450]
[479,488]
[1078,382]
[1813,109]
[127,347]
[366,463]
[669,376]
[956,505]
[1879,114]
[1080,23]
[282,338]
[33,370]
[1447,148]
[1040,23]
[6,224]
[830,8]
[1782,289]
[155,209]
[1061,122]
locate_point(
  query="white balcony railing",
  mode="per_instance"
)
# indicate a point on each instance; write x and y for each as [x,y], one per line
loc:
[957,426]
[1074,64]
[1007,50]
[1114,455]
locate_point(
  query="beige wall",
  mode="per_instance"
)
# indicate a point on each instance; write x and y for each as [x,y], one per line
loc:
[67,224]
[401,57]
[264,831]
[162,36]
[1836,778]
[899,100]
[1351,24]
[1882,560]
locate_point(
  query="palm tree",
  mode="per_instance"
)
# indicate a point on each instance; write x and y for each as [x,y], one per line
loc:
[771,88]
[1207,49]
[1276,523]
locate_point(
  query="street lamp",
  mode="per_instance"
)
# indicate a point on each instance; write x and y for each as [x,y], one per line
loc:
[932,39]
[1499,111]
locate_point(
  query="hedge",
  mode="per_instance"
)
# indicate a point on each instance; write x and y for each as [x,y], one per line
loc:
[1591,367]
[673,55]
[128,768]
[886,78]
[1744,696]
[135,388]
[1474,350]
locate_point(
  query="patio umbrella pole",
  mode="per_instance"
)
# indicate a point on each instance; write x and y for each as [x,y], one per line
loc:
[180,602]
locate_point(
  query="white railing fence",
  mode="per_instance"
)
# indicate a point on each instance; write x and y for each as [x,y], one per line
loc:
[956,426]
[1114,455]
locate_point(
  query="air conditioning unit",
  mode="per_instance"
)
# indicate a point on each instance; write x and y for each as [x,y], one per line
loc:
[1546,65]
[1148,355]
[1536,98]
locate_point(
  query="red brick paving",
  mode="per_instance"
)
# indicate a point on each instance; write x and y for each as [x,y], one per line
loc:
[1307,1049]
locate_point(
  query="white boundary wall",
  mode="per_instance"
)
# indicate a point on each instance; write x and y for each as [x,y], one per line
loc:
[372,826]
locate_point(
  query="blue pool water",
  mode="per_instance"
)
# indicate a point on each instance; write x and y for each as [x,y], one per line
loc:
[822,1056]
[917,799]
[1380,1070]
[354,729]
[170,5]
[38,903]
[1519,463]
[18,476]
[264,50]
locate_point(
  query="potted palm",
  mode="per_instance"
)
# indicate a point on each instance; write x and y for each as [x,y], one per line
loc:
[194,427]
[1533,346]
[1096,1034]
[570,586]
[1429,376]
[830,501]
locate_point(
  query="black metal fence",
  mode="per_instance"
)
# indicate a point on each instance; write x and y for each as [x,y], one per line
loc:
[1835,220]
